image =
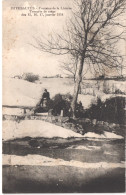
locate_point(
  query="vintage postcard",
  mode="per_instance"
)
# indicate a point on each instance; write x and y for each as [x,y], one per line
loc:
[64,96]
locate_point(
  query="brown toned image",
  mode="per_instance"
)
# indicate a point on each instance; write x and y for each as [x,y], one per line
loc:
[64,96]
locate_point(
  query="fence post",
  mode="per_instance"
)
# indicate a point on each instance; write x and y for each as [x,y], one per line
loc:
[49,117]
[61,116]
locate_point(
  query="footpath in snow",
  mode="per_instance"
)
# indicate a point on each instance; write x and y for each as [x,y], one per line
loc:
[38,128]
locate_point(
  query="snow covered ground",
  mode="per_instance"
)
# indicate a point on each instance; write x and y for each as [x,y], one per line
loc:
[38,128]
[45,164]
[23,93]
[38,160]
[17,92]
[34,128]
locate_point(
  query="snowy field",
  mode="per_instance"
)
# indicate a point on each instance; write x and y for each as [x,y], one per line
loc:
[23,93]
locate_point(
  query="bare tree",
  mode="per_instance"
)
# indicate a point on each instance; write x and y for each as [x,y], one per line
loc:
[90,35]
[70,67]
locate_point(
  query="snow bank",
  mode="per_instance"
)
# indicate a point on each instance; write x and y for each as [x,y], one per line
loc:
[38,128]
[112,135]
[38,160]
[20,93]
[106,134]
[81,147]
[34,128]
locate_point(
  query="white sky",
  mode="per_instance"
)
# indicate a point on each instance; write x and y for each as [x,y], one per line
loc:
[18,31]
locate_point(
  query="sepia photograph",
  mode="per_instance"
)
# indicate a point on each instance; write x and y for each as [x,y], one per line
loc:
[63,96]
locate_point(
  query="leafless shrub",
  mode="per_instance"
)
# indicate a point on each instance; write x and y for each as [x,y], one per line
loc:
[30,77]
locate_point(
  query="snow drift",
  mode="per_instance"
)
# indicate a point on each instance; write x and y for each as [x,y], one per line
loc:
[20,93]
[35,128]
[38,128]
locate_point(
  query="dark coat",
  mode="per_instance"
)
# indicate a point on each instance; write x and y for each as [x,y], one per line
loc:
[46,95]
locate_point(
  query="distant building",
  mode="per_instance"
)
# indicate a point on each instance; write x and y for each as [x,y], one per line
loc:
[58,76]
